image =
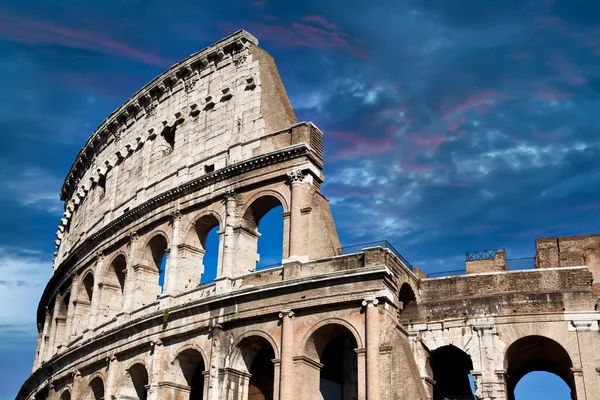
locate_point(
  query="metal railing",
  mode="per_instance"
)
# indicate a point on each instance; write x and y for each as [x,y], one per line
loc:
[357,248]
[482,255]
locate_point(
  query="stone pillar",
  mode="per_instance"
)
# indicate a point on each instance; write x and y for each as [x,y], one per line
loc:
[71,325]
[155,370]
[288,378]
[295,179]
[172,285]
[225,274]
[77,389]
[45,338]
[216,333]
[112,378]
[277,378]
[128,293]
[361,368]
[96,298]
[586,374]
[38,348]
[372,324]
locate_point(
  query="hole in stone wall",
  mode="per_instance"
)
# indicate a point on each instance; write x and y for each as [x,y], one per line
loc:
[209,168]
[211,257]
[270,243]
[541,385]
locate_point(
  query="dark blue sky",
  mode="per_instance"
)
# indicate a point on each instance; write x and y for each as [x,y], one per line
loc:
[449,125]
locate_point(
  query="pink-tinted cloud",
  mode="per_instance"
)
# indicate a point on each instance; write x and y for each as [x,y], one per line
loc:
[312,31]
[38,32]
[567,69]
[427,141]
[353,144]
[481,103]
[454,125]
[259,3]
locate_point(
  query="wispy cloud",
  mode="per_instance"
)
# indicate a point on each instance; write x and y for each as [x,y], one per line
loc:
[35,188]
[31,31]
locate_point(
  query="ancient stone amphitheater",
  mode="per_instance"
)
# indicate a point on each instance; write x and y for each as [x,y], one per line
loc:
[214,142]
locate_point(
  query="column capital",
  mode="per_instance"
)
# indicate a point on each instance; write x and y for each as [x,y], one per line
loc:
[295,177]
[133,236]
[175,215]
[370,302]
[99,255]
[231,195]
[289,313]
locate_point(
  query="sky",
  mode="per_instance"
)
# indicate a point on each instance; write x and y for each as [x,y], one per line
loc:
[450,126]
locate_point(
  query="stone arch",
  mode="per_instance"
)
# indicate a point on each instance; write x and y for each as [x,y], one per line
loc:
[330,362]
[95,389]
[450,367]
[406,296]
[258,333]
[194,249]
[253,371]
[190,367]
[333,321]
[62,304]
[537,353]
[134,382]
[83,302]
[253,211]
[65,394]
[153,268]
[113,286]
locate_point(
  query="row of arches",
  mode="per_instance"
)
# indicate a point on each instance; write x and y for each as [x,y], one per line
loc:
[101,292]
[251,375]
[451,369]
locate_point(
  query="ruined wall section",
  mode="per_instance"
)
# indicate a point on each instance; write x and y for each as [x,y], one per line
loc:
[216,108]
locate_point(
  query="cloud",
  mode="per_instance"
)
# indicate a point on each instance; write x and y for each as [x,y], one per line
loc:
[31,31]
[36,189]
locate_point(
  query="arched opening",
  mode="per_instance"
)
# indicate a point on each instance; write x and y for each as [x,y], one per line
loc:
[254,358]
[155,255]
[537,353]
[451,369]
[95,389]
[406,296]
[539,385]
[84,303]
[113,289]
[135,382]
[333,346]
[201,253]
[191,369]
[66,395]
[61,336]
[264,237]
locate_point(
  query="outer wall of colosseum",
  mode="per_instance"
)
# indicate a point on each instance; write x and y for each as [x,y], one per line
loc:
[214,142]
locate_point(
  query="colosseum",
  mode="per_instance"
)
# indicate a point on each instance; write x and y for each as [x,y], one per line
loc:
[214,142]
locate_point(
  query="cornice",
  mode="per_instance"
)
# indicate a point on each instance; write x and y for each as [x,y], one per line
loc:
[120,223]
[144,100]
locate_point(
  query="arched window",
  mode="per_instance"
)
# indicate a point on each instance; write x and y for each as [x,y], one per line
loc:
[201,253]
[451,372]
[264,236]
[95,390]
[539,385]
[333,346]
[134,383]
[541,354]
[191,370]
[66,395]
[84,303]
[406,296]
[113,289]
[254,355]
[155,255]
[61,336]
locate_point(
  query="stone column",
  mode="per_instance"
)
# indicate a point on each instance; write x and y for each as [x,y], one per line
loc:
[128,293]
[171,274]
[372,324]
[45,338]
[225,274]
[296,236]
[112,378]
[96,299]
[71,325]
[216,333]
[586,374]
[77,390]
[288,379]
[361,369]
[155,370]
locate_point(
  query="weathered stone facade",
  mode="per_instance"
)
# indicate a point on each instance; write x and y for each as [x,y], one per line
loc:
[214,142]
